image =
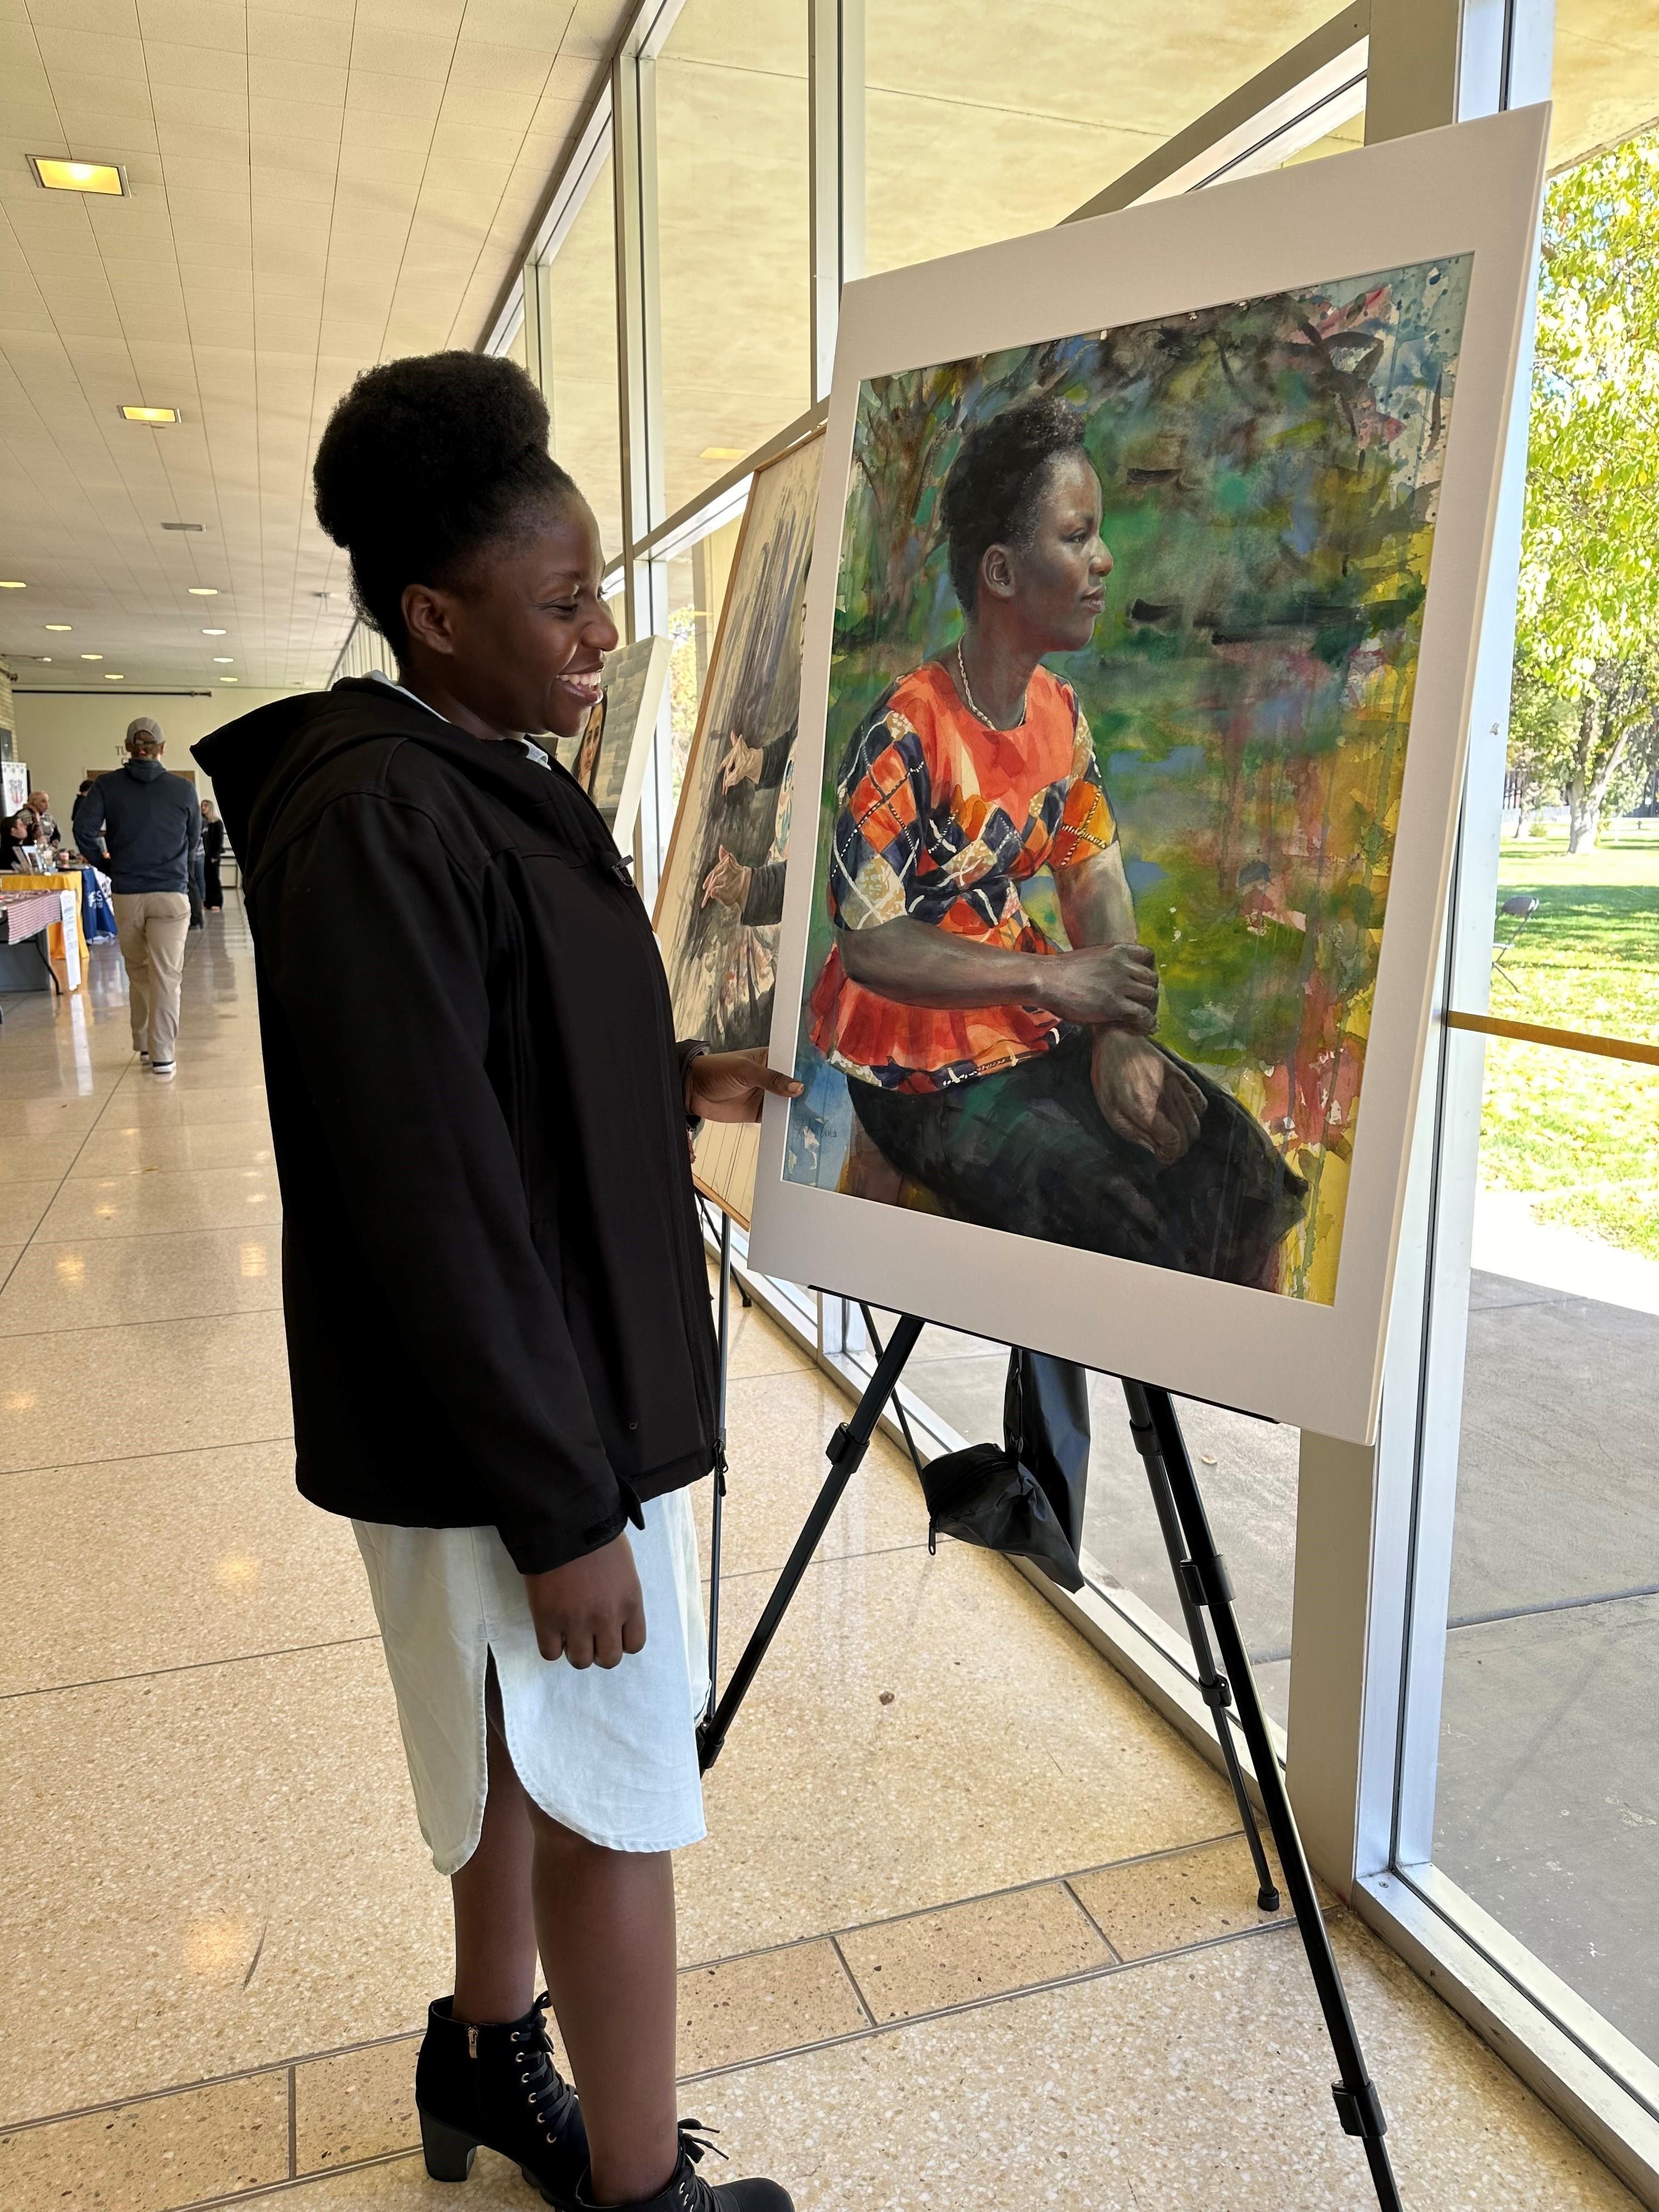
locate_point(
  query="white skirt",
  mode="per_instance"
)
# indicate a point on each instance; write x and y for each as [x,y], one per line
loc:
[610,1753]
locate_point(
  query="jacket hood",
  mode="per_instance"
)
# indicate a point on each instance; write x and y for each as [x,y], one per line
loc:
[143,771]
[260,761]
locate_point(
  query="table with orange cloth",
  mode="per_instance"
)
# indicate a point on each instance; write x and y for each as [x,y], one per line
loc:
[68,880]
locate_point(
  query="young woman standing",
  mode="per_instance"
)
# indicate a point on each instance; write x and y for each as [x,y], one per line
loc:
[496,1300]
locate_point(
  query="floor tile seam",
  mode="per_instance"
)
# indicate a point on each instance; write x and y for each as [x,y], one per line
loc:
[818,1560]
[1067,1886]
[297,2059]
[97,1328]
[841,1960]
[128,1459]
[135,1458]
[1103,1970]
[189,1666]
[97,1121]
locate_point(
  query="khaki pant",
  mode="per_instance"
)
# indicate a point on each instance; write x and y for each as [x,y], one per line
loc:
[153,927]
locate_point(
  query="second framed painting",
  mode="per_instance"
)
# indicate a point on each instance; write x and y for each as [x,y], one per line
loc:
[720,900]
[1140,646]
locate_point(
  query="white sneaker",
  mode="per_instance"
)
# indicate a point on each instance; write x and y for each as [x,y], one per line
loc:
[143,1058]
[162,1069]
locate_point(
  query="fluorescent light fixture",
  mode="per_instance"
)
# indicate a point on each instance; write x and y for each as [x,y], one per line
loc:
[12,584]
[46,659]
[721,453]
[184,525]
[230,679]
[223,659]
[108,678]
[213,633]
[203,590]
[58,175]
[92,656]
[154,415]
[62,627]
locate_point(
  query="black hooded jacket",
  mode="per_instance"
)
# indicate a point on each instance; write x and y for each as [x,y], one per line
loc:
[494,1282]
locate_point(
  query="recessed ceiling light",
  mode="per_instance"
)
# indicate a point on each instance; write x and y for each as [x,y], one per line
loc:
[230,679]
[154,415]
[184,525]
[12,584]
[213,633]
[92,656]
[223,659]
[721,453]
[58,175]
[60,626]
[44,659]
[203,590]
[108,678]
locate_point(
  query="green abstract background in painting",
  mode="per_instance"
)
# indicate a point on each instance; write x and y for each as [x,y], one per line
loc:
[1271,470]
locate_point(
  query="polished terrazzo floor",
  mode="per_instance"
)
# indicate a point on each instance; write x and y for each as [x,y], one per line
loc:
[973,1931]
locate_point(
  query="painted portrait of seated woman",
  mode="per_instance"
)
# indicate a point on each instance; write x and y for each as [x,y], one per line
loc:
[996,1075]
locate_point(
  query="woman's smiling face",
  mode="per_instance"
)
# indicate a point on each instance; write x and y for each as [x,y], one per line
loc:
[1053,580]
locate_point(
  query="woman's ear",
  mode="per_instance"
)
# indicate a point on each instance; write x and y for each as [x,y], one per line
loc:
[996,572]
[427,617]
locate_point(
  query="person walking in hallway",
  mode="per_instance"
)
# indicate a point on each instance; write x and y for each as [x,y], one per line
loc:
[213,854]
[151,826]
[496,1300]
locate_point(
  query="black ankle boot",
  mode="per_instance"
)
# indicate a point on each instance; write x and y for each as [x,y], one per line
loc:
[498,2086]
[685,2189]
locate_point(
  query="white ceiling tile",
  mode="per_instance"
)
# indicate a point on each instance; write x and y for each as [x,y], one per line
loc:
[120,16]
[88,53]
[500,69]
[197,107]
[508,114]
[118,100]
[188,177]
[323,84]
[393,51]
[294,118]
[368,125]
[375,92]
[288,37]
[439,18]
[209,69]
[539,23]
[380,169]
[195,22]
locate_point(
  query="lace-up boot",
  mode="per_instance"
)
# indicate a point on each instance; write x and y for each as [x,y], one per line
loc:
[497,2085]
[686,2191]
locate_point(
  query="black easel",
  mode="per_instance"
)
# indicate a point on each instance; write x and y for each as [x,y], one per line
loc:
[1202,1585]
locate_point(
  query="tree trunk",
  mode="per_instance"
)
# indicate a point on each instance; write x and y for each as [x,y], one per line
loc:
[1581,816]
[1577,791]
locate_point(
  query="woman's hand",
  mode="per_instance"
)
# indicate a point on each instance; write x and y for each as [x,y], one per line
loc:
[728,881]
[729,1086]
[1143,1096]
[590,1610]
[1111,984]
[742,763]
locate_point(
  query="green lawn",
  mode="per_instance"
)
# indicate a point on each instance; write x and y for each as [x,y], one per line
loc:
[1582,1130]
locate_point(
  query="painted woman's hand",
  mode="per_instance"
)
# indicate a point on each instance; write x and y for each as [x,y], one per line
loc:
[590,1610]
[1114,984]
[729,1086]
[1143,1096]
[728,881]
[742,763]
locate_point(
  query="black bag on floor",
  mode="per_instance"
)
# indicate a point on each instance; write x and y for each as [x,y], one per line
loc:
[1026,1496]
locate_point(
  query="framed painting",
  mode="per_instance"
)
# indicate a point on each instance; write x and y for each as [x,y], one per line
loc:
[608,759]
[1139,653]
[721,901]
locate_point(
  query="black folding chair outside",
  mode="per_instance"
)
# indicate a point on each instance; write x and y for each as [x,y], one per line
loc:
[1520,910]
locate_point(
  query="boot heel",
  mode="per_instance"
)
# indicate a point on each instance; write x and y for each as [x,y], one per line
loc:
[448,2151]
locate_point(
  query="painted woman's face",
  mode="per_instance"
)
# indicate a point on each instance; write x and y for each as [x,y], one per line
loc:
[1054,580]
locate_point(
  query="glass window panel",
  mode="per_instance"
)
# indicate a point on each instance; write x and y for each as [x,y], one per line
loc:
[1606,77]
[1545,1812]
[584,400]
[733,215]
[985,122]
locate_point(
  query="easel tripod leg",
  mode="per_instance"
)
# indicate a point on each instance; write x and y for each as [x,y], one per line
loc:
[1213,1688]
[723,1309]
[846,1449]
[1358,2105]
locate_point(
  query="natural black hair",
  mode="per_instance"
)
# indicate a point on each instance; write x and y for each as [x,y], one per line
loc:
[992,487]
[425,461]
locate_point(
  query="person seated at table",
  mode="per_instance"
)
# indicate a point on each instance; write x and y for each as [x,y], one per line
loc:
[19,832]
[48,837]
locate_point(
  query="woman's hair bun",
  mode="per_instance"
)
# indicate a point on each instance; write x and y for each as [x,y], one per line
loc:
[424,461]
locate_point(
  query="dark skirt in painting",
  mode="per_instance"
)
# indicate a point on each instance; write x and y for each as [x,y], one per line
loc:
[1028,1151]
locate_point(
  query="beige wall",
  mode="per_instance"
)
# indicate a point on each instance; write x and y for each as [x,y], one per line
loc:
[62,735]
